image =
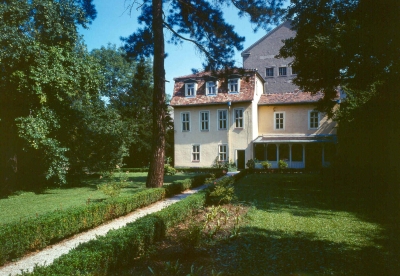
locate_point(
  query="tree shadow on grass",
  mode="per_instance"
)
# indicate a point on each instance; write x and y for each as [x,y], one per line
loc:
[261,252]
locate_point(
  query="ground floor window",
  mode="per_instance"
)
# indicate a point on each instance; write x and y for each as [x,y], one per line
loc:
[297,153]
[222,153]
[284,152]
[271,152]
[196,153]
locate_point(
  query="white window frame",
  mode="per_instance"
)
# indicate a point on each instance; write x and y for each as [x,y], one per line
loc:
[310,112]
[266,72]
[230,85]
[196,153]
[204,121]
[222,119]
[236,119]
[188,91]
[185,122]
[294,72]
[282,68]
[223,152]
[283,120]
[212,85]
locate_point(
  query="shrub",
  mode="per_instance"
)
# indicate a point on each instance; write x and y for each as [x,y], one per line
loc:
[221,192]
[251,163]
[266,164]
[282,164]
[113,188]
[169,170]
[119,247]
[17,239]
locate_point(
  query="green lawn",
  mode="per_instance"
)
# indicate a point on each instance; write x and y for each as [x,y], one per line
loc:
[23,205]
[300,226]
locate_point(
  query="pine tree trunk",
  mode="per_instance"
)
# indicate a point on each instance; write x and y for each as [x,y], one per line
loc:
[155,177]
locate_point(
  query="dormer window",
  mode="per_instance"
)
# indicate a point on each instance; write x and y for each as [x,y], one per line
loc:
[234,85]
[211,88]
[190,88]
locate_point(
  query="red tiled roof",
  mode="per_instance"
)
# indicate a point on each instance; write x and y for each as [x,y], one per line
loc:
[290,98]
[247,87]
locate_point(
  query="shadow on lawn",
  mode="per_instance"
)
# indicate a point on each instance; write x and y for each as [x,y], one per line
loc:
[261,252]
[304,195]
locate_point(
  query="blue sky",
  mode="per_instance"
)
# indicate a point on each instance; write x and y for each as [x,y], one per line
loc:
[113,22]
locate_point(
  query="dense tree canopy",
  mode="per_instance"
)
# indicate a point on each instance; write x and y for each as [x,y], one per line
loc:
[52,120]
[354,45]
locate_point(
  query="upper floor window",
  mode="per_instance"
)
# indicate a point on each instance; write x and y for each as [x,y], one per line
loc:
[190,89]
[238,114]
[196,153]
[204,120]
[234,85]
[313,119]
[282,71]
[269,72]
[211,88]
[294,71]
[279,120]
[222,153]
[185,118]
[222,119]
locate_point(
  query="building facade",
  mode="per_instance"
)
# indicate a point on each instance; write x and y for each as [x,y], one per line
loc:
[258,113]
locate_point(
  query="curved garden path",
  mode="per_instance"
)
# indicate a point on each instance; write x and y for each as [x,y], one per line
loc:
[50,253]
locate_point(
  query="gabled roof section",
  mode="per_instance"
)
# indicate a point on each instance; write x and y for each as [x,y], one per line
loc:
[247,51]
[296,97]
[247,88]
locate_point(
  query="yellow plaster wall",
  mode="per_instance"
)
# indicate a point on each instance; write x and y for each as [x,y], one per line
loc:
[296,120]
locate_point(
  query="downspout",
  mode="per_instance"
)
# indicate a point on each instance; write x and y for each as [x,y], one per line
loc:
[228,134]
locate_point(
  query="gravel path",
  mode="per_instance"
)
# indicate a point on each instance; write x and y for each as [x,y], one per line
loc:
[48,254]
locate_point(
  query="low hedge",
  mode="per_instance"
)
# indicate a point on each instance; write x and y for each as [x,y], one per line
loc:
[19,238]
[120,247]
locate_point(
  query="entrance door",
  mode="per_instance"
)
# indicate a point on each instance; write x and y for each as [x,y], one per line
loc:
[240,159]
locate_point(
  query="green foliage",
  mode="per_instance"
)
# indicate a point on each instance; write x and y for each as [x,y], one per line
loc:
[52,119]
[224,165]
[222,191]
[251,163]
[113,188]
[36,233]
[266,164]
[282,164]
[119,247]
[169,170]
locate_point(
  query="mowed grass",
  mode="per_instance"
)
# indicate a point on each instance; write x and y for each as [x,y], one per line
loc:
[23,205]
[300,226]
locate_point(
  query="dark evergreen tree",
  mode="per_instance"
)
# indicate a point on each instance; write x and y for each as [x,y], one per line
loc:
[200,22]
[354,45]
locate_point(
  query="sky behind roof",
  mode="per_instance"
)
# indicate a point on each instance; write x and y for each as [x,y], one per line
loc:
[114,21]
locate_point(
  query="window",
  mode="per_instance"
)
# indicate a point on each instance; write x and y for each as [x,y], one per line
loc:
[269,72]
[222,119]
[211,88]
[238,113]
[204,120]
[190,89]
[279,120]
[233,86]
[222,153]
[282,71]
[185,121]
[294,71]
[313,119]
[196,153]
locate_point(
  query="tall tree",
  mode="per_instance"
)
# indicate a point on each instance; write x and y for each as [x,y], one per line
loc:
[52,121]
[354,45]
[200,22]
